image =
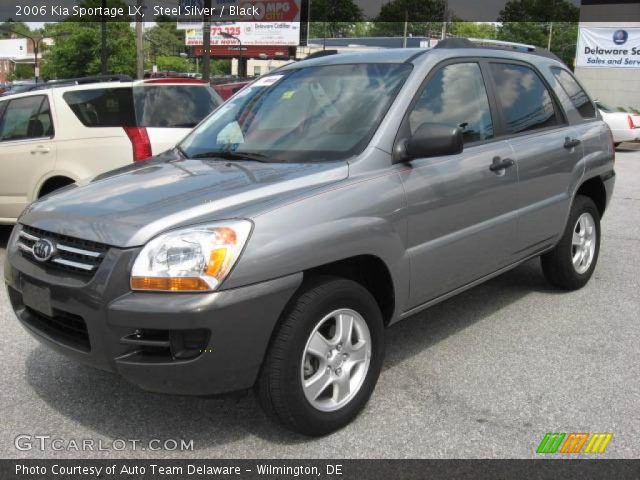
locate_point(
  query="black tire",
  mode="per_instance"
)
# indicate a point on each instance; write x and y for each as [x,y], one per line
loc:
[279,387]
[557,264]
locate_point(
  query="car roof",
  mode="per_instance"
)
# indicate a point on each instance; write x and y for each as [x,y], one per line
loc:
[450,48]
[111,85]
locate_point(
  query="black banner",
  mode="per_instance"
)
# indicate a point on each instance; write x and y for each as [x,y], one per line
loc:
[415,11]
[318,469]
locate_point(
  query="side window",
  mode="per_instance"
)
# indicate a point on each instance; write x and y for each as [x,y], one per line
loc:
[575,92]
[523,98]
[44,117]
[456,96]
[21,119]
[108,107]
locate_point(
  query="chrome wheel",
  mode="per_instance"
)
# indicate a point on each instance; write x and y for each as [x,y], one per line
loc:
[336,360]
[583,244]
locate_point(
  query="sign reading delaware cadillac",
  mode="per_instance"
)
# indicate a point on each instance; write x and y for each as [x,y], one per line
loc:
[608,47]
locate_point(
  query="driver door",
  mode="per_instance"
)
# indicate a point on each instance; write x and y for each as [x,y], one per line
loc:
[462,223]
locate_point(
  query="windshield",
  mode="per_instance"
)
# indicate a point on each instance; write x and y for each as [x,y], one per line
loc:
[311,114]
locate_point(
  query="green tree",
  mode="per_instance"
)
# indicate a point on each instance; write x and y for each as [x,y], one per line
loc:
[473,30]
[165,38]
[19,27]
[422,16]
[78,54]
[172,64]
[530,21]
[334,18]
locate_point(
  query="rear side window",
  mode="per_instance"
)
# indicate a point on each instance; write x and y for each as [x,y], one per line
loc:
[173,106]
[577,95]
[523,98]
[108,107]
[456,96]
[26,118]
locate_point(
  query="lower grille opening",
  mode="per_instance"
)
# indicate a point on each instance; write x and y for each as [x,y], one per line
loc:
[63,327]
[172,344]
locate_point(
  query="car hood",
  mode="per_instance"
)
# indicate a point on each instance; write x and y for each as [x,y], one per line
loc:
[129,206]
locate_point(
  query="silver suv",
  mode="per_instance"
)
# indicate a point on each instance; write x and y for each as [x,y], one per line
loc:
[321,204]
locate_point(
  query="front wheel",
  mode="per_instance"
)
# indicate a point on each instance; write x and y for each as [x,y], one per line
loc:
[325,358]
[572,262]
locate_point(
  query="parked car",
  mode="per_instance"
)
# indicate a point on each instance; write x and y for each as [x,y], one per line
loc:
[323,203]
[19,87]
[64,131]
[226,89]
[622,124]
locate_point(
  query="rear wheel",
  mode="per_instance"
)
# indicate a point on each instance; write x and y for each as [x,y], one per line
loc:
[325,359]
[572,262]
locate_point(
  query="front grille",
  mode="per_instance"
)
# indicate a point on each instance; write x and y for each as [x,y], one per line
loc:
[64,327]
[69,253]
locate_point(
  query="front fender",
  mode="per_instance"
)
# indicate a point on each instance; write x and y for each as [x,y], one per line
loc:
[350,220]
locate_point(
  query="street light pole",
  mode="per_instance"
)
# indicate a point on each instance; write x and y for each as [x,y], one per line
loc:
[241,66]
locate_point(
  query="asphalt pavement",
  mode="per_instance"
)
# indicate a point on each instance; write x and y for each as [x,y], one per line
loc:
[485,374]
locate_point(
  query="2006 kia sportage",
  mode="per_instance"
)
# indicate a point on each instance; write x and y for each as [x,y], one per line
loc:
[322,203]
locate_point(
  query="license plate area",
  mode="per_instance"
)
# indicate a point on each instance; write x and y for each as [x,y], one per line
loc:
[36,297]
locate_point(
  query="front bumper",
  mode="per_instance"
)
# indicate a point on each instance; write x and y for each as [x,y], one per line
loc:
[190,344]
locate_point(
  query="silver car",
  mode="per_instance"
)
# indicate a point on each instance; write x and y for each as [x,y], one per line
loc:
[321,204]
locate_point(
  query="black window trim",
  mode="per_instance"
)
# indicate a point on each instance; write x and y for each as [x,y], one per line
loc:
[44,97]
[580,118]
[404,131]
[561,116]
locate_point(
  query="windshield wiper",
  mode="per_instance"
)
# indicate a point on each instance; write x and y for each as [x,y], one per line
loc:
[229,155]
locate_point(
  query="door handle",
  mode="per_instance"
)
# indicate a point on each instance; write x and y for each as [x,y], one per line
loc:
[569,143]
[501,163]
[40,149]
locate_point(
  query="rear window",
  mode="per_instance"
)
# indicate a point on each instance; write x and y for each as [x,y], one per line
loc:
[104,107]
[577,95]
[168,106]
[173,106]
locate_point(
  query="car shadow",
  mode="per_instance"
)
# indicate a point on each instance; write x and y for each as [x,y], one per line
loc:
[105,403]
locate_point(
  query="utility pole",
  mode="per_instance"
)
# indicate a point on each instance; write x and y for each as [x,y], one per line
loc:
[103,41]
[445,19]
[139,40]
[206,43]
[406,25]
[550,34]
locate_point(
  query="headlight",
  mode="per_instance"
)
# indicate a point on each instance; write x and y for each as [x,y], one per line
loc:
[195,259]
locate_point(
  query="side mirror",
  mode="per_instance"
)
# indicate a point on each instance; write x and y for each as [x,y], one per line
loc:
[431,140]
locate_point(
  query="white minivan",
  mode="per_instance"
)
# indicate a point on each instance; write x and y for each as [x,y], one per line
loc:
[61,133]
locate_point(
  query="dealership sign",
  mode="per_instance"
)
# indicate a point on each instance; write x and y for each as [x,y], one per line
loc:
[252,22]
[608,47]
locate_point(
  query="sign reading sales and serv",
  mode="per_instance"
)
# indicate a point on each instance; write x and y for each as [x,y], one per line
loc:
[608,47]
[253,22]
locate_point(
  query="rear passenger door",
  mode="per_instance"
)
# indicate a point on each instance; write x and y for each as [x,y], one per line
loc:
[546,149]
[460,224]
[27,151]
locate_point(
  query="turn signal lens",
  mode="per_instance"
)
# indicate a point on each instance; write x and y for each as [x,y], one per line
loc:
[169,284]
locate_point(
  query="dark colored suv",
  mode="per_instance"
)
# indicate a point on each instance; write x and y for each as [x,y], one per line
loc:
[322,203]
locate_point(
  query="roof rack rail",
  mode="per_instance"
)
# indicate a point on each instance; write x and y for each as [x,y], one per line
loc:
[65,82]
[495,44]
[320,53]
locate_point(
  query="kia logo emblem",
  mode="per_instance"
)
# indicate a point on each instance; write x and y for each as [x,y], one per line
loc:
[43,250]
[620,37]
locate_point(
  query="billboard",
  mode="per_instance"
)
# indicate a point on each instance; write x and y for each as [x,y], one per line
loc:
[608,47]
[253,22]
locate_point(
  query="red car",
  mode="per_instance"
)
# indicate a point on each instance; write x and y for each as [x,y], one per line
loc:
[229,88]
